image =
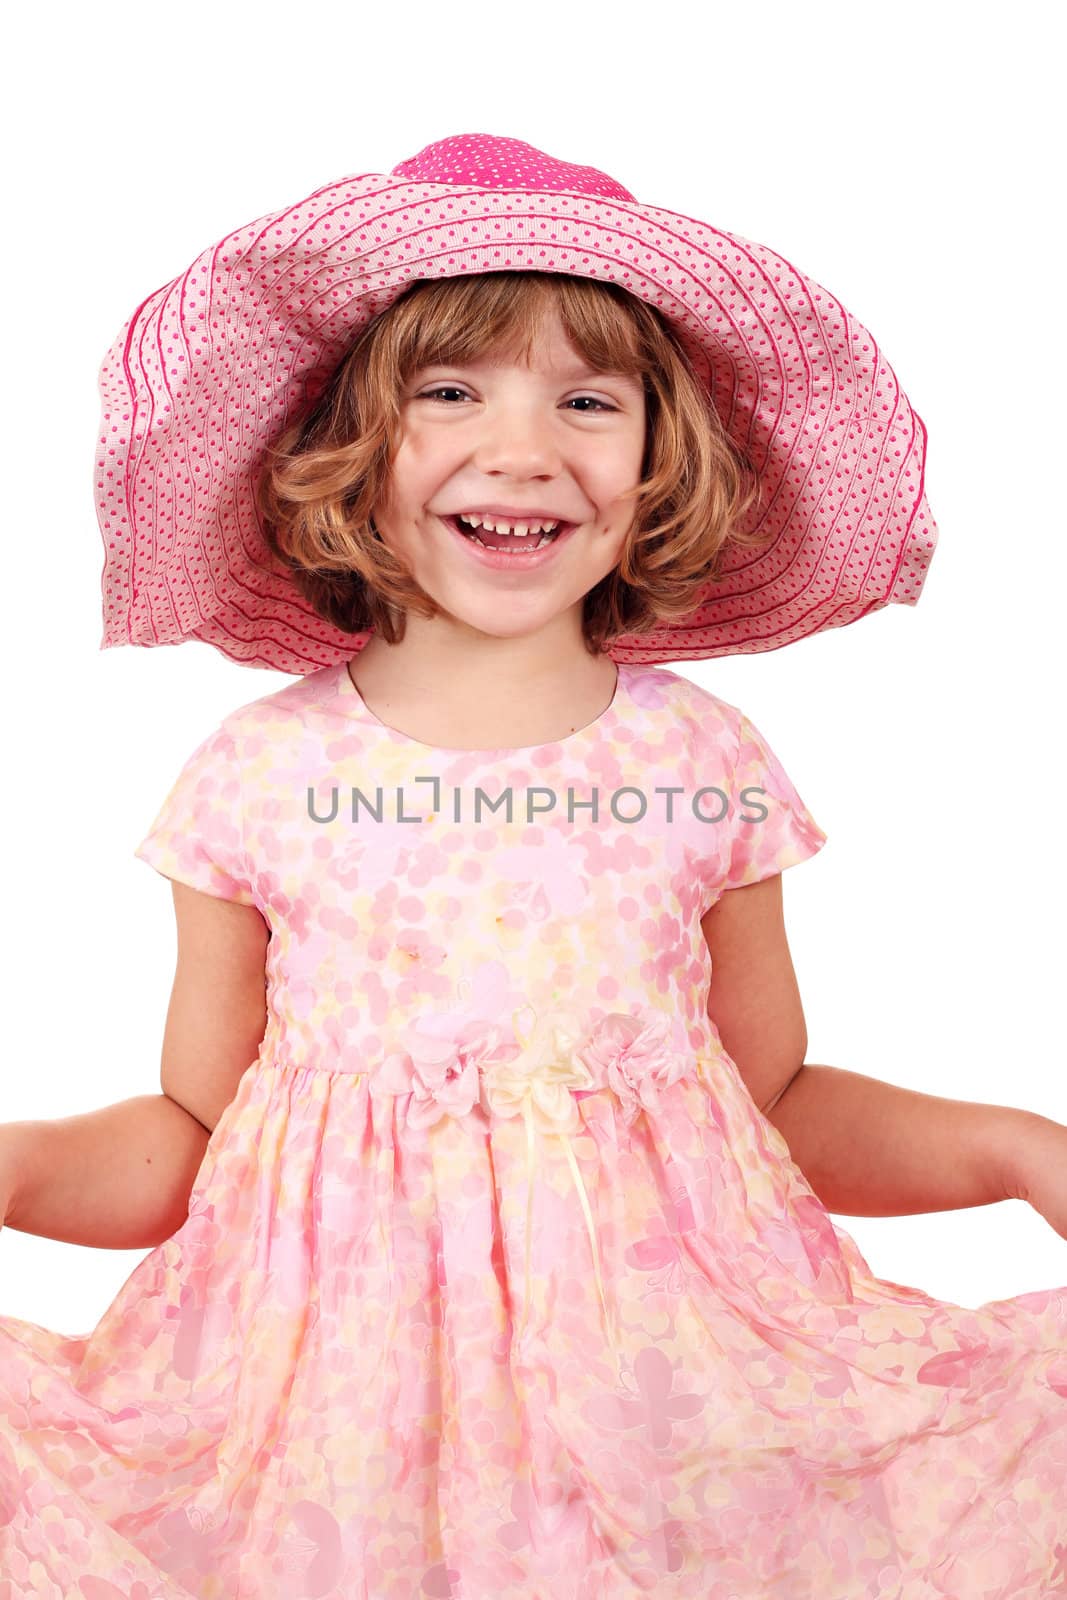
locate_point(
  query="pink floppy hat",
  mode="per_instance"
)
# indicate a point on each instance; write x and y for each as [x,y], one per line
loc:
[215,365]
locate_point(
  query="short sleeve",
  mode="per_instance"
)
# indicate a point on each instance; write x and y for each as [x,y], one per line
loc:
[780,830]
[197,837]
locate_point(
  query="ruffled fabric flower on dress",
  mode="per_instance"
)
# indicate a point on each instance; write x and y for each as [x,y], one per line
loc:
[633,1056]
[439,1067]
[449,1064]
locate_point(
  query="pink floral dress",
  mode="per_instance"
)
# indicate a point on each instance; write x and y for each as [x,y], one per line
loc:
[496,1284]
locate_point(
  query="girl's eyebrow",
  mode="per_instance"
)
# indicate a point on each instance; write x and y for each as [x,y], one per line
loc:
[574,373]
[598,372]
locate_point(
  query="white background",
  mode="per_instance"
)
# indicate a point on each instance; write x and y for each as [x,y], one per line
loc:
[904,156]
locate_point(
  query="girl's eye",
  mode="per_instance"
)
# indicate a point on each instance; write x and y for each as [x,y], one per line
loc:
[445,388]
[451,388]
[593,401]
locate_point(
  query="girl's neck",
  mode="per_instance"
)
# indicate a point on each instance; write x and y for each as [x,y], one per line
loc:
[501,700]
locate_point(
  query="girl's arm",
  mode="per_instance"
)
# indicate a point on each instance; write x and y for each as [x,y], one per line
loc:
[218,1005]
[867,1148]
[120,1178]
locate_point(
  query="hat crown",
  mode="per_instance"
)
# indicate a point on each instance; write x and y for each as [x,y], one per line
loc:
[491,161]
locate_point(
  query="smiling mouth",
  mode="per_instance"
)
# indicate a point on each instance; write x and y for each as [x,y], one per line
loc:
[512,544]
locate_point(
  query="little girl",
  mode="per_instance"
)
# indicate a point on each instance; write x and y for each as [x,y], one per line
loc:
[487,1260]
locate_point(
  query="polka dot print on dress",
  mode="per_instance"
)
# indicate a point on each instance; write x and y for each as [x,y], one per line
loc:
[495,1281]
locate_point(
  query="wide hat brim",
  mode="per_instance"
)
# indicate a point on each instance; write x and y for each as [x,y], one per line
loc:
[216,364]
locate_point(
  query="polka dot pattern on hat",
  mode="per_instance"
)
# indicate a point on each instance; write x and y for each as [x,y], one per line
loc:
[214,365]
[499,163]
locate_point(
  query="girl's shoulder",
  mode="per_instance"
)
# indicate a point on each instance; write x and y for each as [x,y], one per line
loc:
[290,709]
[704,718]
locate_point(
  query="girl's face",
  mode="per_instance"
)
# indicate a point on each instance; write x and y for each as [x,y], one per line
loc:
[554,440]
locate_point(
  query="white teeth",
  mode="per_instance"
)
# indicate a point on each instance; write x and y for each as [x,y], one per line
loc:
[520,529]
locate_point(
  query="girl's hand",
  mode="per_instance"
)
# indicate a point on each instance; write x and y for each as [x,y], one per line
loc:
[1039,1171]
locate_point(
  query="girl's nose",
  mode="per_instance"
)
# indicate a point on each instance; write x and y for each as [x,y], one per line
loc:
[519,440]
